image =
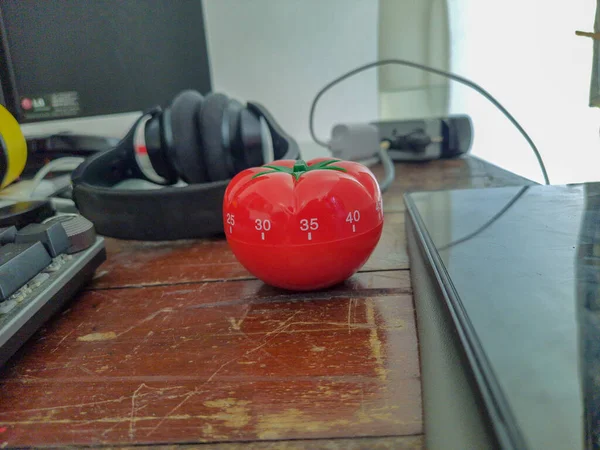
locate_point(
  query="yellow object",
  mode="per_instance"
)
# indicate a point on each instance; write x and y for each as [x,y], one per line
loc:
[13,149]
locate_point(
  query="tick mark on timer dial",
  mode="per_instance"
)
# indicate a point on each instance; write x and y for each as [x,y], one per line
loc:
[230,222]
[353,218]
[262,226]
[308,225]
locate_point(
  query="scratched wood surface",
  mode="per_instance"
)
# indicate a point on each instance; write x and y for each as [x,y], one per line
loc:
[175,343]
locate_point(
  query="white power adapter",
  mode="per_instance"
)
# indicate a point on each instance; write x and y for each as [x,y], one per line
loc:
[354,142]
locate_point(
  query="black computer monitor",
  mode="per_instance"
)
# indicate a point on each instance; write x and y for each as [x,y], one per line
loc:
[70,58]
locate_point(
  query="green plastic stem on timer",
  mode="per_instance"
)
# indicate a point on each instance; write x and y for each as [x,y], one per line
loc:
[300,167]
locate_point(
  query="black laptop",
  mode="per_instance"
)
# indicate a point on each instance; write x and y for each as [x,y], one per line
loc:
[515,275]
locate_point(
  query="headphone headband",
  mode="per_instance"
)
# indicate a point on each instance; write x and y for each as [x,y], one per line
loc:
[163,212]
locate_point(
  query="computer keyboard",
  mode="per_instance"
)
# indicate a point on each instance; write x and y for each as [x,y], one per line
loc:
[42,266]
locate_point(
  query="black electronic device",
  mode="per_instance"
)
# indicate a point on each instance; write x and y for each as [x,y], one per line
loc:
[43,263]
[197,142]
[427,139]
[507,294]
[72,58]
[42,149]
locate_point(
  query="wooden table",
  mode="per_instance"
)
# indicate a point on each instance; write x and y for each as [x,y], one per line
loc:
[176,343]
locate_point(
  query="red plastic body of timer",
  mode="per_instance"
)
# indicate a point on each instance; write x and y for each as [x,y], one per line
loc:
[303,232]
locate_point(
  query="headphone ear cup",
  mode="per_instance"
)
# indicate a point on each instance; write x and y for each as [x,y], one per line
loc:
[186,153]
[218,161]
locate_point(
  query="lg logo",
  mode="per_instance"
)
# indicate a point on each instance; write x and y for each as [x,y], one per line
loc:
[39,103]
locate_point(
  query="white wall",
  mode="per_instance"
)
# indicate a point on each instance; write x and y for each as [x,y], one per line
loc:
[281,53]
[526,54]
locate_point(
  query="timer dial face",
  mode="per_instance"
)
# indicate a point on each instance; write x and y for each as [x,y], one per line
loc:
[322,219]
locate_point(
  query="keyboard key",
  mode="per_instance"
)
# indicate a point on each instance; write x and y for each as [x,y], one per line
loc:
[80,231]
[7,235]
[52,235]
[19,263]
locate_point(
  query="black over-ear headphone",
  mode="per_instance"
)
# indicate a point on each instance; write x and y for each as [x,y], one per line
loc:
[200,141]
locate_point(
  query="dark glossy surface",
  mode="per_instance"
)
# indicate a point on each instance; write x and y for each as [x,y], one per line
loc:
[525,265]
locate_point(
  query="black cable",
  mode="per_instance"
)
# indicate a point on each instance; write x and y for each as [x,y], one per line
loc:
[488,223]
[452,76]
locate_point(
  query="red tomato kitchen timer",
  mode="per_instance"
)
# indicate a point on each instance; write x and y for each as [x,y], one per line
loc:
[303,225]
